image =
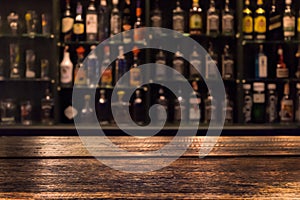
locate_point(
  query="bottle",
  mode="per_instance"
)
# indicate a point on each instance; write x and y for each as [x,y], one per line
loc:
[260,22]
[120,108]
[212,20]
[297,74]
[106,69]
[297,105]
[210,109]
[78,27]
[247,21]
[289,21]
[30,64]
[275,31]
[121,66]
[178,18]
[248,103]
[258,108]
[196,19]
[227,63]
[261,64]
[195,105]
[87,112]
[135,72]
[180,108]
[126,22]
[281,71]
[103,109]
[298,25]
[80,71]
[115,19]
[67,22]
[66,69]
[211,61]
[91,20]
[195,65]
[178,64]
[156,15]
[228,110]
[138,108]
[272,103]
[14,55]
[163,101]
[47,109]
[93,68]
[138,34]
[160,58]
[287,105]
[103,30]
[227,20]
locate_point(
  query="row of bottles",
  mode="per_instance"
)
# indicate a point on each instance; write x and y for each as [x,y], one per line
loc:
[272,23]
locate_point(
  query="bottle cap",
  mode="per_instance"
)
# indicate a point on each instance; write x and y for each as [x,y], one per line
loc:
[259,87]
[80,50]
[272,86]
[298,86]
[247,86]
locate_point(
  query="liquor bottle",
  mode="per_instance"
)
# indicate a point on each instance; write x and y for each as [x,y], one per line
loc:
[261,64]
[248,103]
[275,31]
[196,19]
[93,68]
[178,18]
[103,31]
[227,20]
[247,21]
[106,69]
[195,105]
[228,110]
[47,108]
[160,58]
[195,65]
[272,103]
[297,74]
[121,66]
[103,109]
[87,112]
[67,22]
[259,100]
[163,101]
[14,54]
[281,71]
[211,63]
[210,108]
[80,71]
[227,63]
[180,108]
[212,20]
[66,69]
[120,108]
[138,34]
[126,22]
[287,105]
[30,64]
[260,22]
[156,15]
[138,108]
[178,64]
[115,19]
[135,72]
[297,104]
[78,27]
[91,20]
[289,21]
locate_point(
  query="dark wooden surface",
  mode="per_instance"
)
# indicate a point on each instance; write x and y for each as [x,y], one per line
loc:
[237,168]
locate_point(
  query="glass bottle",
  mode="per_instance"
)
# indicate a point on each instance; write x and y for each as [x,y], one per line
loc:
[210,108]
[211,61]
[103,109]
[91,21]
[287,105]
[138,108]
[227,20]
[106,69]
[178,64]
[196,19]
[66,69]
[275,31]
[261,64]
[298,68]
[138,34]
[195,65]
[115,19]
[178,18]
[30,64]
[104,16]
[195,105]
[248,103]
[47,108]
[212,20]
[298,25]
[260,22]
[120,108]
[247,21]
[67,22]
[80,71]
[160,58]
[227,63]
[272,103]
[228,110]
[281,71]
[180,108]
[93,68]
[121,66]
[259,101]
[26,113]
[14,23]
[156,15]
[126,22]
[78,27]
[8,112]
[297,103]
[14,53]
[135,72]
[289,21]
[87,112]
[163,101]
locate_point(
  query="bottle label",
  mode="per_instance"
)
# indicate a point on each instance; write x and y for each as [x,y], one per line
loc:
[282,73]
[287,109]
[227,68]
[80,78]
[248,24]
[91,23]
[70,112]
[247,109]
[178,65]
[65,74]
[178,23]
[106,78]
[135,76]
[67,24]
[211,69]
[156,21]
[195,21]
[213,23]
[275,22]
[263,67]
[78,29]
[260,24]
[289,26]
[194,112]
[258,98]
[227,23]
[195,67]
[115,24]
